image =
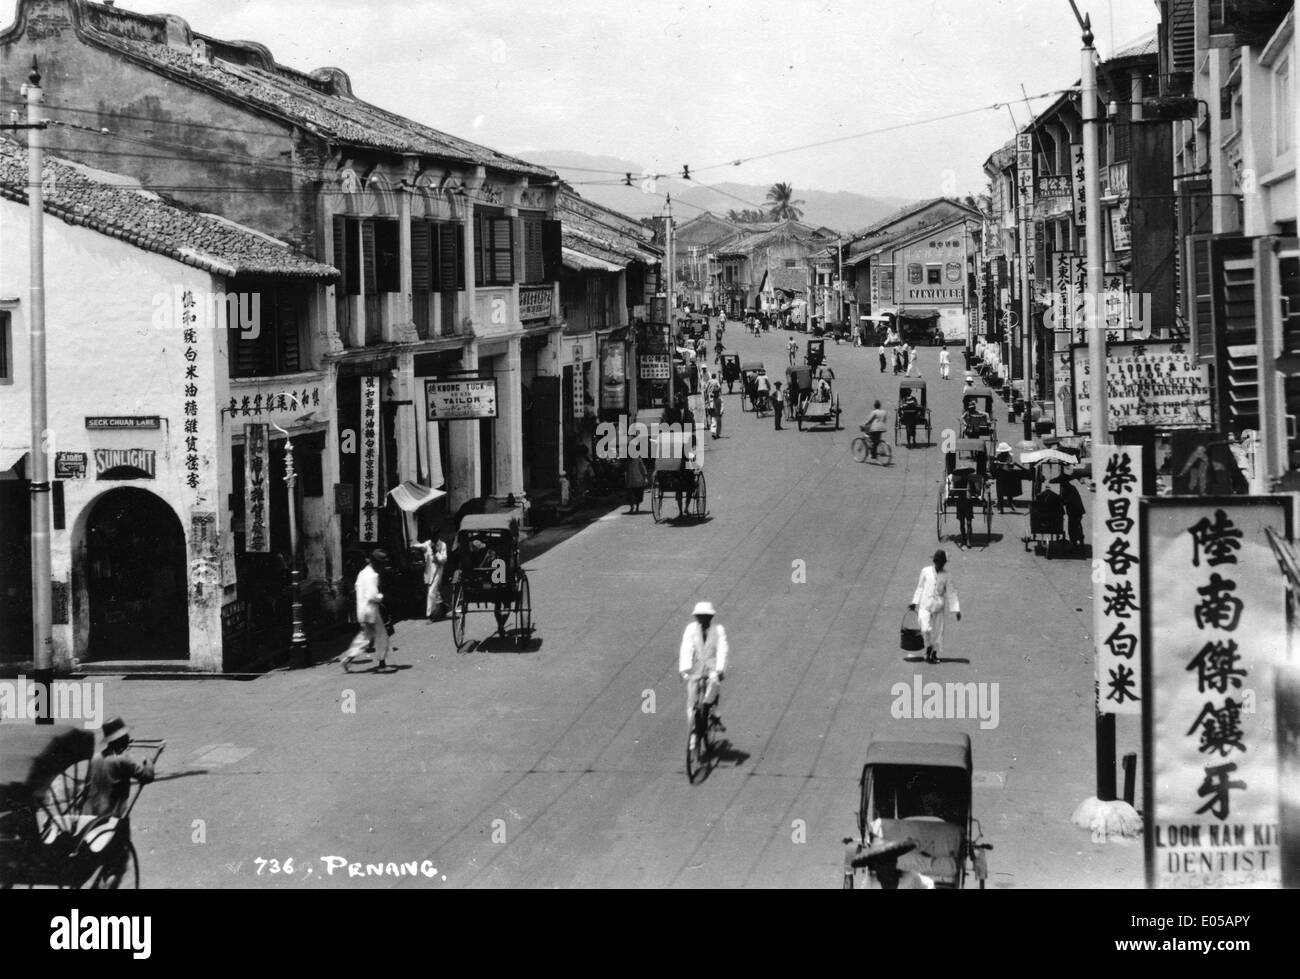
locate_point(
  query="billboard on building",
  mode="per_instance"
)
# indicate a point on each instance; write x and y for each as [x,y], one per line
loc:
[1148,385]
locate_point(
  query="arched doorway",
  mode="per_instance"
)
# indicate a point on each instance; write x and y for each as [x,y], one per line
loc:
[135,578]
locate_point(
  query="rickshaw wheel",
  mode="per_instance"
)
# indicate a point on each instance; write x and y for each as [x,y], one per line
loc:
[848,881]
[130,879]
[523,611]
[458,613]
[656,498]
[701,499]
[838,426]
[860,449]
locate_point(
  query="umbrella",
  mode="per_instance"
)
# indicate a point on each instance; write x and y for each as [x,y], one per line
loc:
[1047,455]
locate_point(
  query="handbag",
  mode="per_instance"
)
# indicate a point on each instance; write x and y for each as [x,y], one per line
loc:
[910,638]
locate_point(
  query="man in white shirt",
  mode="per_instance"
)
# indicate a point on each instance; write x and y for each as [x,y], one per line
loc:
[943,363]
[703,654]
[435,562]
[935,593]
[370,616]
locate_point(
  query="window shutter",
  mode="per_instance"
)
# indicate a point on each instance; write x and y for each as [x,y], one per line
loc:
[368,257]
[287,326]
[421,256]
[1234,276]
[534,259]
[246,357]
[480,248]
[552,250]
[503,245]
[451,257]
[388,273]
[346,257]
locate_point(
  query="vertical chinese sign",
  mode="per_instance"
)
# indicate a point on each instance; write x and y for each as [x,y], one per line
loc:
[1214,627]
[368,512]
[191,389]
[1080,185]
[257,467]
[1062,337]
[1119,638]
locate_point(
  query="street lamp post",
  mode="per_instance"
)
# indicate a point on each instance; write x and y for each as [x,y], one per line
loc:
[299,648]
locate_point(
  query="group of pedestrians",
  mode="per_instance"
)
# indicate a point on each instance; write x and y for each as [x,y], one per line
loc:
[904,357]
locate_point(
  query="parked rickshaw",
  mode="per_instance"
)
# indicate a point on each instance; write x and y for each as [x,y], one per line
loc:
[978,423]
[966,484]
[916,792]
[678,471]
[731,370]
[919,414]
[487,576]
[816,355]
[822,406]
[47,836]
[749,394]
[1047,525]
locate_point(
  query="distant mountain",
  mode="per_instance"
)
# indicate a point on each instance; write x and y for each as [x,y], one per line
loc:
[590,176]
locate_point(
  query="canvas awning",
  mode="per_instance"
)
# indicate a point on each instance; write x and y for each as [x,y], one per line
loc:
[410,496]
[11,455]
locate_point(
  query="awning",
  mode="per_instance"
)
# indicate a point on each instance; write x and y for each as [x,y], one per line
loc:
[582,262]
[10,456]
[411,496]
[918,314]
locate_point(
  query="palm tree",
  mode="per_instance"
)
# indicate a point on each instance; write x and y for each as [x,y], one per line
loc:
[783,206]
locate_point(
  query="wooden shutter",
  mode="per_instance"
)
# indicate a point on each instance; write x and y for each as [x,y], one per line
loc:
[1198,299]
[422,243]
[288,324]
[368,257]
[480,248]
[552,250]
[534,258]
[388,257]
[451,257]
[346,254]
[502,232]
[1234,276]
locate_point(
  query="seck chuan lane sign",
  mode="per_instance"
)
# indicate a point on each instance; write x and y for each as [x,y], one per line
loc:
[452,400]
[1214,628]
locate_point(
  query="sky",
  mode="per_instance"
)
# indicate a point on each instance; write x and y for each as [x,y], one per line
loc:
[669,84]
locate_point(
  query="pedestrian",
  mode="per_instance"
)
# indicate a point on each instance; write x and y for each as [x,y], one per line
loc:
[713,398]
[793,347]
[882,358]
[944,361]
[635,479]
[911,359]
[1074,509]
[935,594]
[899,360]
[435,562]
[370,616]
[1009,476]
[778,404]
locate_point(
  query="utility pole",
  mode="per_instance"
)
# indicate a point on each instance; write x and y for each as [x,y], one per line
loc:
[42,599]
[669,272]
[1026,311]
[1096,333]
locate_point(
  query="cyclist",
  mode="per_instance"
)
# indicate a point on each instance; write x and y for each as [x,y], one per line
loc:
[703,655]
[874,426]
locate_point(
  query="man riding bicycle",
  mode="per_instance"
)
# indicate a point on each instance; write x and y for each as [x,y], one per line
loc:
[703,654]
[874,426]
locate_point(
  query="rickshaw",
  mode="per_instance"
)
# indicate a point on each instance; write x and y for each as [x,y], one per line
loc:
[822,406]
[731,370]
[487,576]
[966,482]
[921,413]
[916,792]
[979,424]
[1046,507]
[749,393]
[47,838]
[678,470]
[816,355]
[798,388]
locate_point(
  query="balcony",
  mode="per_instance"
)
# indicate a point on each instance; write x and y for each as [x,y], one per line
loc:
[499,310]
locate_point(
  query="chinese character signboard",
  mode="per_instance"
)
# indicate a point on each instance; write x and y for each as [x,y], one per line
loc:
[257,503]
[369,509]
[1080,185]
[1214,628]
[1148,385]
[1025,168]
[655,367]
[1063,292]
[1119,642]
[1115,302]
[459,400]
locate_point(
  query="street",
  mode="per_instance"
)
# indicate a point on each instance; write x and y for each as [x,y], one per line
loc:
[563,765]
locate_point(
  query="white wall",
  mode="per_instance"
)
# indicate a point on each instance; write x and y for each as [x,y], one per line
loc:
[106,356]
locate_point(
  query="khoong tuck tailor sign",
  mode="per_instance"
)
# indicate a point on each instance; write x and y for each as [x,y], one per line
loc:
[461,399]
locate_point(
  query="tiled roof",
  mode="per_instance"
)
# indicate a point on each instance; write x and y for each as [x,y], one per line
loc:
[604,234]
[287,93]
[791,280]
[1141,48]
[147,221]
[758,235]
[902,214]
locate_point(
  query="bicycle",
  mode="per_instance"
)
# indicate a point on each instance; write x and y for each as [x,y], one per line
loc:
[699,741]
[884,455]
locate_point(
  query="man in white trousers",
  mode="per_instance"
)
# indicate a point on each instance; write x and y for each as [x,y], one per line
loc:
[935,594]
[703,654]
[944,363]
[370,617]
